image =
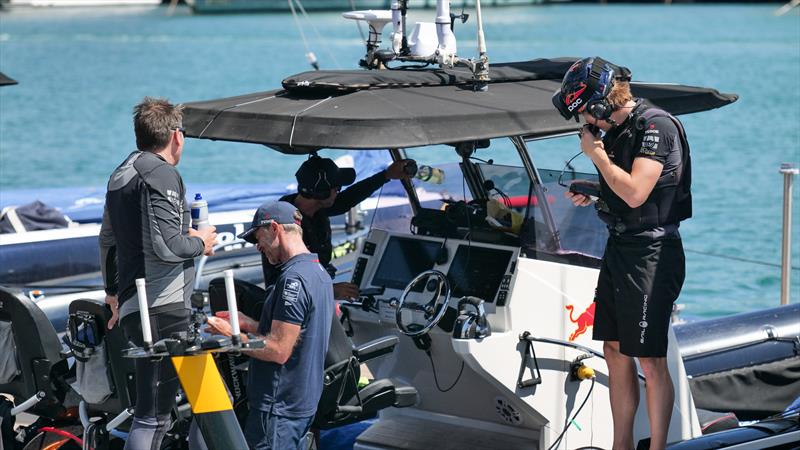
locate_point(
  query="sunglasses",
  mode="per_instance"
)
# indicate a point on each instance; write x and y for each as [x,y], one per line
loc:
[182,130]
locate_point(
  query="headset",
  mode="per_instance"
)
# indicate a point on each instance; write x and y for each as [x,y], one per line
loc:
[600,108]
[321,189]
[469,324]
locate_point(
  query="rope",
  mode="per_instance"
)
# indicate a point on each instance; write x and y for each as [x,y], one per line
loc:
[234,106]
[312,59]
[294,120]
[309,53]
[358,22]
[736,258]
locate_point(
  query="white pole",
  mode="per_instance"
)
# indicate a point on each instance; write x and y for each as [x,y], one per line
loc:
[232,310]
[144,313]
[789,171]
[481,39]
[397,27]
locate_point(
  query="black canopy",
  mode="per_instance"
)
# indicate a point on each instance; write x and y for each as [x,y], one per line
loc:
[6,81]
[410,116]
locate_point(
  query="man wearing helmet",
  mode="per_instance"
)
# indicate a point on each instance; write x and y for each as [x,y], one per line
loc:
[643,162]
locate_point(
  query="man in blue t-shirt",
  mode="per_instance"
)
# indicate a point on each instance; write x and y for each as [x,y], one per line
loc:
[286,376]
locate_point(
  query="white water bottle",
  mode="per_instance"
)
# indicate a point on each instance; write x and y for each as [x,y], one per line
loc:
[199,213]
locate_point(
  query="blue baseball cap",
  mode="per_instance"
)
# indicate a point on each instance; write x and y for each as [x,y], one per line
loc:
[283,213]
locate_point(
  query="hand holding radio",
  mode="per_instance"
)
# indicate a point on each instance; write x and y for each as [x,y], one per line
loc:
[591,141]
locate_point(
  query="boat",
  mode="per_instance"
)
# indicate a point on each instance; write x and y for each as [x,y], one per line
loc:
[489,323]
[273,6]
[64,258]
[511,387]
[80,3]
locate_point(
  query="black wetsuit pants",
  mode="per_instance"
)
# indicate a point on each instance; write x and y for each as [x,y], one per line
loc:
[156,381]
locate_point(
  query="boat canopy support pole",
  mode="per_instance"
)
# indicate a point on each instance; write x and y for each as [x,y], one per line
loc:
[397,155]
[789,171]
[555,242]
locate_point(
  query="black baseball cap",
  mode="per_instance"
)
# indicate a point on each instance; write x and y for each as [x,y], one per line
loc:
[320,174]
[280,212]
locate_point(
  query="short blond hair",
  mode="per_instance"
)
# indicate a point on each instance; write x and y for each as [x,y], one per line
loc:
[293,228]
[620,94]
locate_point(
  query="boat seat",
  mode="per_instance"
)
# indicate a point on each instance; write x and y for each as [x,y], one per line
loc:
[41,366]
[121,371]
[342,402]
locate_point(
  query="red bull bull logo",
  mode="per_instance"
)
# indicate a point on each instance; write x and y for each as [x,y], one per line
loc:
[584,321]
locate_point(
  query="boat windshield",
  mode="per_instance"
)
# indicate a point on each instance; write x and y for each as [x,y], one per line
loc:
[557,232]
[560,231]
[448,184]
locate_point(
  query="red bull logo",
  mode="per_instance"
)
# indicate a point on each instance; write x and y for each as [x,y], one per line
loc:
[584,321]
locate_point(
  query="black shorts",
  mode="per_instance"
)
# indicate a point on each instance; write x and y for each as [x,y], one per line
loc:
[640,279]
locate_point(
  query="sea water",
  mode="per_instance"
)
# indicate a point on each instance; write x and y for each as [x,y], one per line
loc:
[68,122]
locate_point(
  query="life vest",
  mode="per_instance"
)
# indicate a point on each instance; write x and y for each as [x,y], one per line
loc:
[671,199]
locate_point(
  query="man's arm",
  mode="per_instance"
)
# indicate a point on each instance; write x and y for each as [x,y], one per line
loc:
[108,255]
[279,343]
[357,193]
[634,187]
[108,267]
[166,218]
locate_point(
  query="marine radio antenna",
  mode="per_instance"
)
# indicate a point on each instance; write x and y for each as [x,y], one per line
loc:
[418,46]
[481,70]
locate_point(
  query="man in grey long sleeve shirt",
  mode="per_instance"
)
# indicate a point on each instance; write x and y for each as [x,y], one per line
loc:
[146,234]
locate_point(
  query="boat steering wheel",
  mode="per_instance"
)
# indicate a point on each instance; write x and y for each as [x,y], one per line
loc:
[433,310]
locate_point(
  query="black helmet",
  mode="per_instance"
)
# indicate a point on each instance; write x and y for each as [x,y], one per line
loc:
[588,81]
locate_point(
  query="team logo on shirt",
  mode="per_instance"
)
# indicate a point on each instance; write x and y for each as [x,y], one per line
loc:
[649,145]
[291,290]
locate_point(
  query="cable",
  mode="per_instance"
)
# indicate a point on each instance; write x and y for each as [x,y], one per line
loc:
[312,59]
[560,436]
[736,258]
[436,379]
[567,164]
[358,22]
[375,210]
[62,433]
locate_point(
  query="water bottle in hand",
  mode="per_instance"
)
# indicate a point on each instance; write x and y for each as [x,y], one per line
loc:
[199,213]
[424,173]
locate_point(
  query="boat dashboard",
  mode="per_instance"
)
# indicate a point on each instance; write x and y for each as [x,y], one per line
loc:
[388,262]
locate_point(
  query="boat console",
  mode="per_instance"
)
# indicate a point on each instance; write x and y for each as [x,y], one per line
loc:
[390,261]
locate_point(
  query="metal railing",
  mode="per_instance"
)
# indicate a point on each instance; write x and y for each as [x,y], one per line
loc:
[789,171]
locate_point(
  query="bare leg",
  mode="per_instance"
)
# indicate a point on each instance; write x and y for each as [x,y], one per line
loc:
[660,399]
[624,392]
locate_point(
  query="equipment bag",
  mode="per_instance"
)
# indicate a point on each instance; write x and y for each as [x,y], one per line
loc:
[31,217]
[85,339]
[9,367]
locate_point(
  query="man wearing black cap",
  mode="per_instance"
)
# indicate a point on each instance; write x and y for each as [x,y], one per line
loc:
[286,376]
[319,181]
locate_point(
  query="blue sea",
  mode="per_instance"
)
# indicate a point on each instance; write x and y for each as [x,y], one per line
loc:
[68,122]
